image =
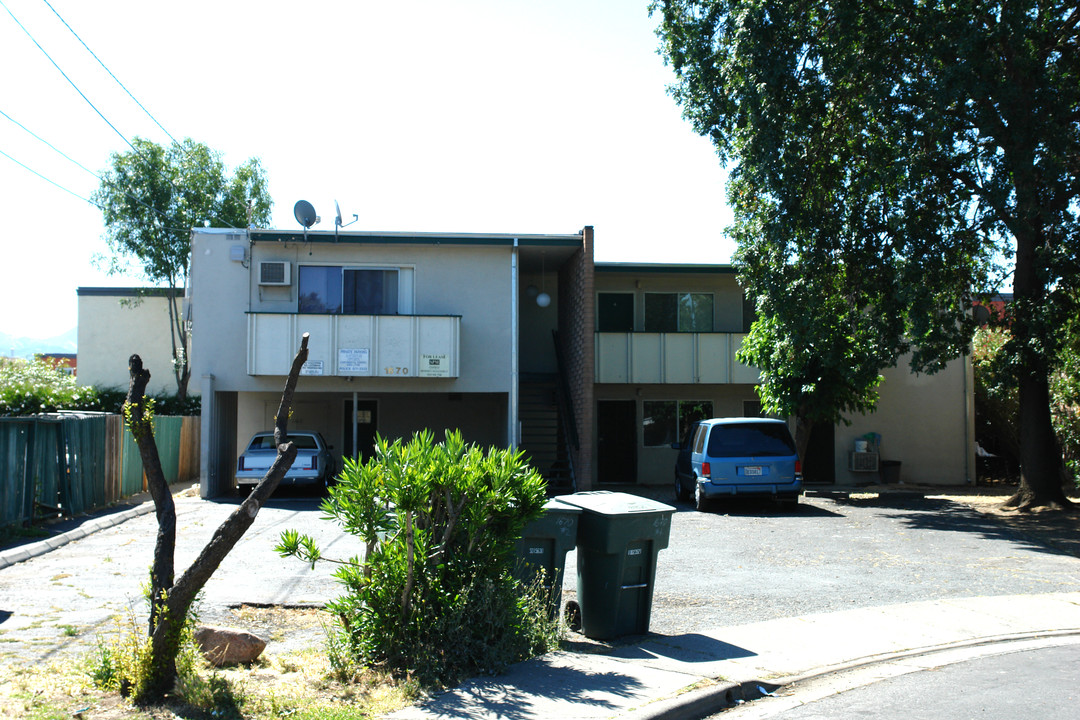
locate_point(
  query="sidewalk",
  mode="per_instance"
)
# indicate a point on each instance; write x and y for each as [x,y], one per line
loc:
[656,678]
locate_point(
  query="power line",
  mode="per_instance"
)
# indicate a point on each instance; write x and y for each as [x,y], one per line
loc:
[70,81]
[46,142]
[100,114]
[94,55]
[99,178]
[177,143]
[53,182]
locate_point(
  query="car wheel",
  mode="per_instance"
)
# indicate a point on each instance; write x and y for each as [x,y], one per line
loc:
[701,503]
[680,492]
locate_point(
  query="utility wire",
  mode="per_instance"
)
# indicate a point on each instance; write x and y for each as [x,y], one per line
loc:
[53,147]
[88,102]
[177,143]
[53,182]
[70,81]
[94,55]
[99,178]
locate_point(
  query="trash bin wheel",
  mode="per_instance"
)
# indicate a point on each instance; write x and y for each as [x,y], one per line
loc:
[572,613]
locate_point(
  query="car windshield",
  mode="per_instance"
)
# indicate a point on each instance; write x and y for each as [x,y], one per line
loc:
[750,439]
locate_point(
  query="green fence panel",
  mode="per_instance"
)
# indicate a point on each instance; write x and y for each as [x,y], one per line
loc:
[82,486]
[45,452]
[131,472]
[167,437]
[16,494]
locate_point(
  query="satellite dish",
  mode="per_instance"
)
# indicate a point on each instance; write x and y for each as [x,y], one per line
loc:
[304,213]
[337,209]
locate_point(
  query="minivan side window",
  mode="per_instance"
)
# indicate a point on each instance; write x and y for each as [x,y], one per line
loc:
[699,439]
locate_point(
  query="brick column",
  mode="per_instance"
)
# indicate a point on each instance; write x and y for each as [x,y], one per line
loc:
[576,332]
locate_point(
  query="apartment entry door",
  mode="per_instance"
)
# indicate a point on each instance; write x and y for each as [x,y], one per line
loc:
[365,415]
[616,457]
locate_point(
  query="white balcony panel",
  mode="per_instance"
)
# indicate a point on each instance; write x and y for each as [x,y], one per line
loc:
[714,358]
[670,358]
[355,345]
[679,358]
[613,357]
[742,373]
[646,358]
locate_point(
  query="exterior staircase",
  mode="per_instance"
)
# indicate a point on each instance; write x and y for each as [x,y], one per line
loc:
[543,436]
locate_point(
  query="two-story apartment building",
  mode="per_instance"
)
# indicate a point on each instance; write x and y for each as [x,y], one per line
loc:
[519,340]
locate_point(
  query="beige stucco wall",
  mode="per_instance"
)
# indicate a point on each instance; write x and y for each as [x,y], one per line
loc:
[115,323]
[925,421]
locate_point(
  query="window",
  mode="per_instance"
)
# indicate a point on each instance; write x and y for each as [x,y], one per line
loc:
[334,290]
[678,312]
[615,312]
[665,421]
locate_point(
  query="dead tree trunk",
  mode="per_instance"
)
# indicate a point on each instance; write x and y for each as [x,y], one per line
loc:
[170,601]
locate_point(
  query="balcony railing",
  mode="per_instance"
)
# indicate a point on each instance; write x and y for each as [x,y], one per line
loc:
[671,358]
[399,346]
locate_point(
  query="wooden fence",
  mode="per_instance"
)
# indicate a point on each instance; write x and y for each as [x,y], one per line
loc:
[70,464]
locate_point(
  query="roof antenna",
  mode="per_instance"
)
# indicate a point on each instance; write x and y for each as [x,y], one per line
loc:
[337,220]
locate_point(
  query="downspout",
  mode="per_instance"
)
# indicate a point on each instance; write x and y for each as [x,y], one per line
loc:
[355,450]
[513,427]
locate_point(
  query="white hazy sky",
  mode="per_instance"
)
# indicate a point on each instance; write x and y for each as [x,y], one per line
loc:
[516,116]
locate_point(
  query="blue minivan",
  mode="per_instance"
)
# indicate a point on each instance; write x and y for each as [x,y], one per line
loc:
[738,456]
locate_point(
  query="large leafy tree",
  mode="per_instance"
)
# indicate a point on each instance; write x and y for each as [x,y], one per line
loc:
[889,160]
[152,196]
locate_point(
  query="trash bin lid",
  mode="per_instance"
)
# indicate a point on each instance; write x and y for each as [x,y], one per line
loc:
[605,502]
[556,505]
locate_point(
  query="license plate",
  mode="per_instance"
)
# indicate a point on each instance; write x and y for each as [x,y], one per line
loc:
[752,470]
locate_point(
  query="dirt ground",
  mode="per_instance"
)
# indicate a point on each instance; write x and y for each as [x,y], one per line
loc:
[1057,529]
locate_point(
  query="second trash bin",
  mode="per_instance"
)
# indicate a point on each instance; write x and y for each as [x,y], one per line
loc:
[544,544]
[619,537]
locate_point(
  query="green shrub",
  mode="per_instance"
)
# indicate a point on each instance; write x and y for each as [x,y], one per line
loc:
[32,388]
[29,388]
[435,598]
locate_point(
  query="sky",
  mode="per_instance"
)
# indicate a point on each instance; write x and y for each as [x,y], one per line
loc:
[502,116]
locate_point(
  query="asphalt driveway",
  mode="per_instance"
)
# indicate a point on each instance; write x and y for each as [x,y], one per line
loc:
[742,564]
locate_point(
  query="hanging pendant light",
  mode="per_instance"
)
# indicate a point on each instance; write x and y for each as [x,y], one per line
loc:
[543,299]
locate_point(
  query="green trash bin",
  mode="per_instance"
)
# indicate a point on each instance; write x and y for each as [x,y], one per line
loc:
[619,537]
[544,544]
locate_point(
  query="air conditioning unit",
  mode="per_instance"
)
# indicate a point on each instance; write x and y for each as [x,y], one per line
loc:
[275,272]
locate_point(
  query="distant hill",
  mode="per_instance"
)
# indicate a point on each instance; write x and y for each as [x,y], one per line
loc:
[23,347]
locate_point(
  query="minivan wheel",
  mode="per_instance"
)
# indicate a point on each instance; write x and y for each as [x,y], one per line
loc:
[680,492]
[701,503]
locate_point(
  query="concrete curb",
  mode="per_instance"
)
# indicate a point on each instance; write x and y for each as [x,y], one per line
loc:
[23,553]
[716,698]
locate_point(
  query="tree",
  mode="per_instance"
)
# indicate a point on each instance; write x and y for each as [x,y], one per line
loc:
[170,601]
[150,199]
[916,152]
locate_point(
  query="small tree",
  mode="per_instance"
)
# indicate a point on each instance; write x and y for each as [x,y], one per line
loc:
[434,596]
[171,601]
[151,197]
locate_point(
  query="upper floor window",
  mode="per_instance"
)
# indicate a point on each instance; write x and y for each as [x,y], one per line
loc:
[336,290]
[615,312]
[678,312]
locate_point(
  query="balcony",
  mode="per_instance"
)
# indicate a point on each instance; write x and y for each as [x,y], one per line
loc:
[671,358]
[398,346]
